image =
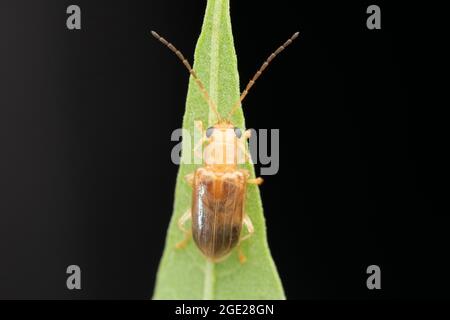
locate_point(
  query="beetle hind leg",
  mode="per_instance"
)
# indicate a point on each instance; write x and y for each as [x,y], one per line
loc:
[241,256]
[249,225]
[187,233]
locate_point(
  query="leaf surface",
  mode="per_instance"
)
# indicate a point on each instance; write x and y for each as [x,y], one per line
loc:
[185,273]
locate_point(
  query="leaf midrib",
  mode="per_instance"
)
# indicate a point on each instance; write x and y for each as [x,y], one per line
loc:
[214,60]
[209,276]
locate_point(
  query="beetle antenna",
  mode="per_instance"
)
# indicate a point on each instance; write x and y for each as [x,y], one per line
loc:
[199,83]
[261,69]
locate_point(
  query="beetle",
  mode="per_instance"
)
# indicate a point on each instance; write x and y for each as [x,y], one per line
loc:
[219,186]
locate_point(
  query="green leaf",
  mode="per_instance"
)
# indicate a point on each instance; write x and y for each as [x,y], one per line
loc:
[185,273]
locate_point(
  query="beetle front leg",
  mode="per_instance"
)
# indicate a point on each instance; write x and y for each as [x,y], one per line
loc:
[246,153]
[187,233]
[242,145]
[189,179]
[199,125]
[247,222]
[200,143]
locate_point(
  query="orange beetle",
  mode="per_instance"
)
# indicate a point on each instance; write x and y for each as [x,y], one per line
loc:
[219,187]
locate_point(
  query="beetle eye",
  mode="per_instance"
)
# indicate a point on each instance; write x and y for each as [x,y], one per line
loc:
[209,132]
[237,132]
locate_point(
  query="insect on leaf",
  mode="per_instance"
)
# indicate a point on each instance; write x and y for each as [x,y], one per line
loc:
[185,273]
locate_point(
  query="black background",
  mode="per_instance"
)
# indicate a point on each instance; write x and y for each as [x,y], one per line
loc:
[85,124]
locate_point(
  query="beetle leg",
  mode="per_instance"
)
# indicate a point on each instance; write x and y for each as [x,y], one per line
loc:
[189,179]
[249,225]
[258,181]
[247,134]
[200,143]
[199,125]
[241,255]
[244,150]
[187,233]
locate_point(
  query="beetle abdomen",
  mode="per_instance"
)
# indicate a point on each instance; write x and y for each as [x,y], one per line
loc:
[217,211]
